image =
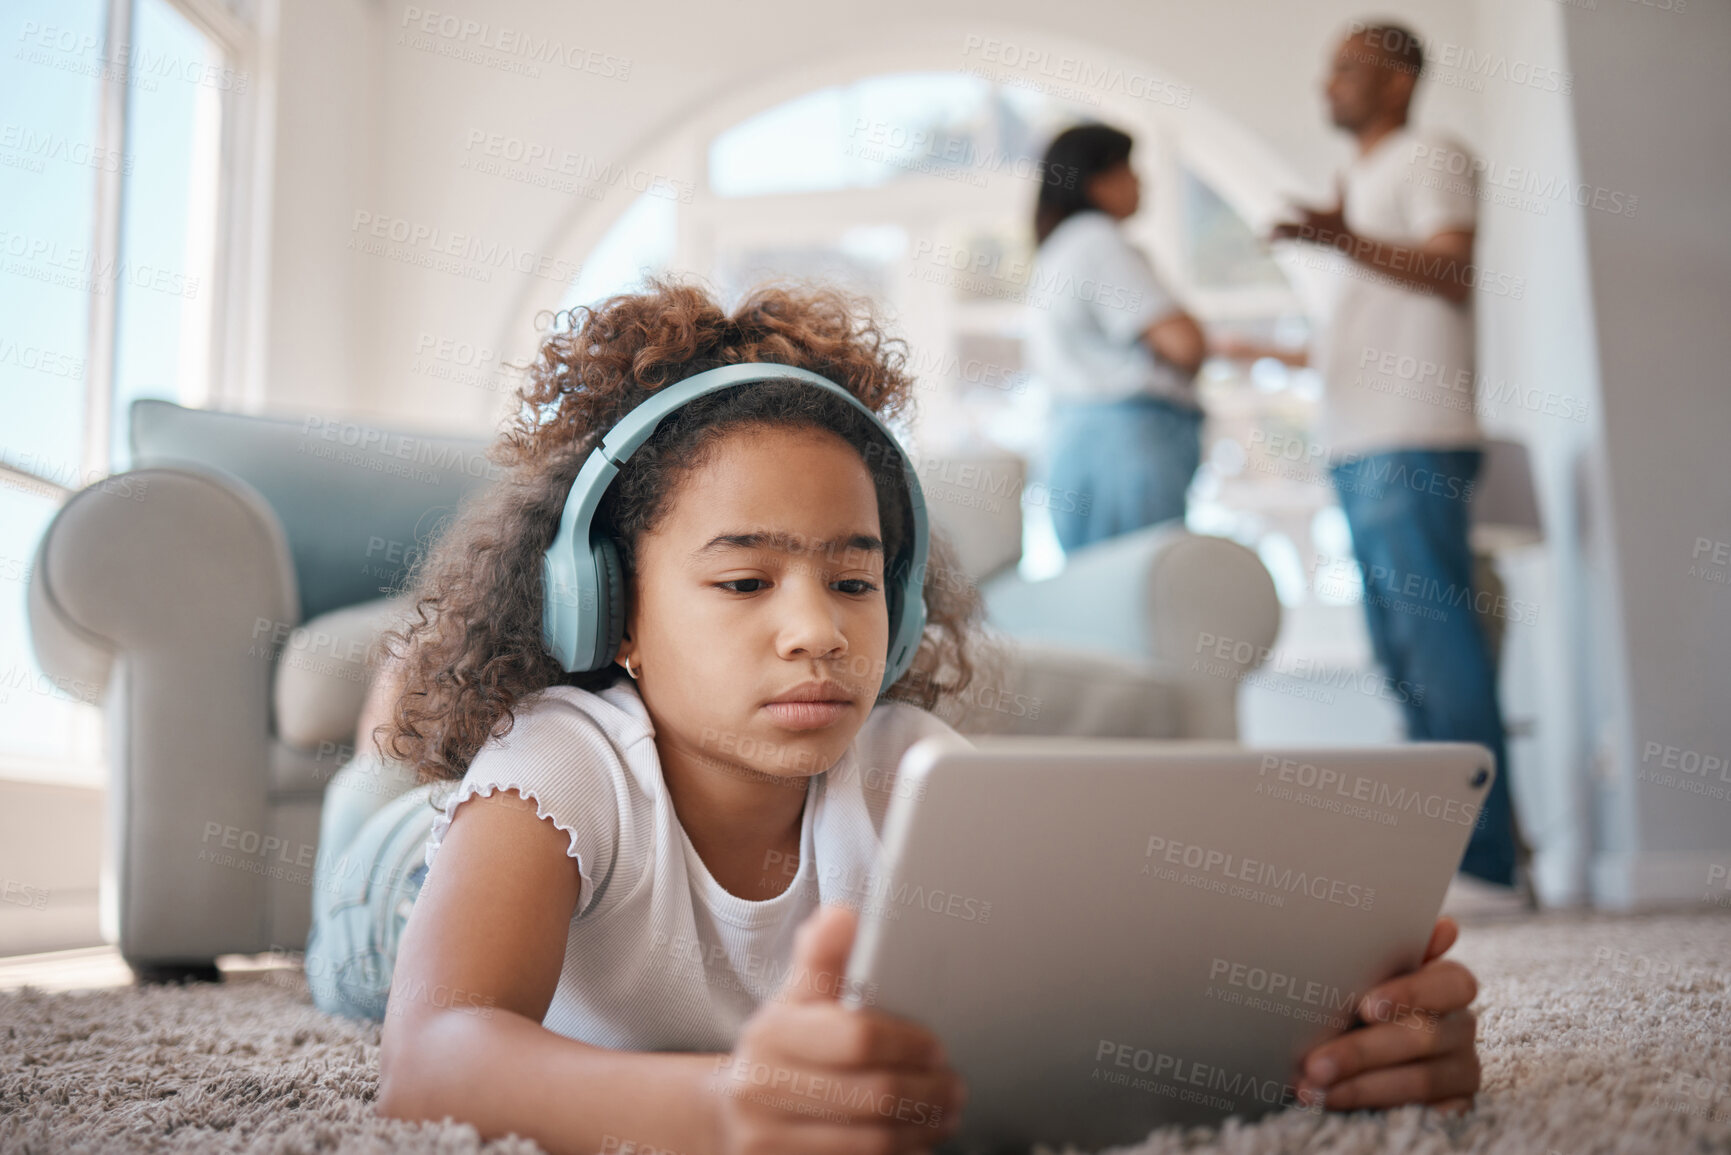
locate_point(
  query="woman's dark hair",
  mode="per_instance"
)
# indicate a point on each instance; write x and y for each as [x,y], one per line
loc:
[473,648]
[1075,157]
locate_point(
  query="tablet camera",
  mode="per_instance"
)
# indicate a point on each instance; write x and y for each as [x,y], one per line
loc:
[1480,776]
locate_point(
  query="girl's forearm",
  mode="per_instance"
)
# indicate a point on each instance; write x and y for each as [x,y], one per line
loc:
[503,1073]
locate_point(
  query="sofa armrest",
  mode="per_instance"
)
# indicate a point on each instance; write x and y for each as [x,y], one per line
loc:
[183,577]
[76,660]
[1201,610]
[1044,689]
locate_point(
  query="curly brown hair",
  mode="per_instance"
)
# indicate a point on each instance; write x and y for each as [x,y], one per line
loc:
[473,648]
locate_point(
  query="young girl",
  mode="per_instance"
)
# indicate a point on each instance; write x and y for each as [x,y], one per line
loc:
[638,910]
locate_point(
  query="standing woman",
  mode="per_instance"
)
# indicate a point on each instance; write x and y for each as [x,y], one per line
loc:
[1112,345]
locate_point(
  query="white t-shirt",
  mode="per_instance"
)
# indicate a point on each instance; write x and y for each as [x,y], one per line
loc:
[658,956]
[1397,365]
[1091,295]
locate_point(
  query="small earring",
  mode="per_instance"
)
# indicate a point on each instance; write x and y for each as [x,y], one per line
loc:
[628,668]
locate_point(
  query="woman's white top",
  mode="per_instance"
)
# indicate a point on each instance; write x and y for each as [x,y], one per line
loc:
[658,957]
[1091,296]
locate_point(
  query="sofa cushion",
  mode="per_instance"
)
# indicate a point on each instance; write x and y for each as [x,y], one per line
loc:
[324,669]
[1043,688]
[312,471]
[974,496]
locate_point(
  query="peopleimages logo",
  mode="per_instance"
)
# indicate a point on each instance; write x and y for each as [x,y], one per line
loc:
[1234,1086]
[1234,658]
[1413,593]
[89,53]
[376,445]
[1276,984]
[1457,388]
[1528,181]
[939,153]
[86,270]
[1075,70]
[1358,788]
[1317,462]
[550,160]
[1462,66]
[1257,873]
[431,240]
[39,146]
[516,46]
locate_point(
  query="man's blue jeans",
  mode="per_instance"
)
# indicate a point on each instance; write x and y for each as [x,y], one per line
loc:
[1408,513]
[1118,466]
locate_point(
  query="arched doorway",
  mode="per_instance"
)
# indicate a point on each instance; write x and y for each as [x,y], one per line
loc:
[916,184]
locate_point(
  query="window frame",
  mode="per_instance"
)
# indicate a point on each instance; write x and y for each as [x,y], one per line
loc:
[237,280]
[234,369]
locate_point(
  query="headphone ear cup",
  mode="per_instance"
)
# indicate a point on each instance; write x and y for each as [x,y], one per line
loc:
[610,614]
[912,628]
[907,612]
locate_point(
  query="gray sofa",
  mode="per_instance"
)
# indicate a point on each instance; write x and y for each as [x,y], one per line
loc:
[226,609]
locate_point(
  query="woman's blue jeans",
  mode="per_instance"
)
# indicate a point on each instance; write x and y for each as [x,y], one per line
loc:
[1407,510]
[370,866]
[1119,466]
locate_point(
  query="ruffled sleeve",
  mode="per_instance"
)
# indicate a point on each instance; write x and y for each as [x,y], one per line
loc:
[562,758]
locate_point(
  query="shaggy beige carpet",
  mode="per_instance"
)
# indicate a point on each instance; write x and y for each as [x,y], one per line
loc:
[1599,1034]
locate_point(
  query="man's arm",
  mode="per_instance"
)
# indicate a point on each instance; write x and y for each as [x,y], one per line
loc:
[1440,265]
[1239,349]
[476,971]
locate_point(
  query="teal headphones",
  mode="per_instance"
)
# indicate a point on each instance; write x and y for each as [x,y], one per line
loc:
[582,583]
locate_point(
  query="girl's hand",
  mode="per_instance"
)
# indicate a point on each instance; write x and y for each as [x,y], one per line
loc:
[810,1076]
[1418,1044]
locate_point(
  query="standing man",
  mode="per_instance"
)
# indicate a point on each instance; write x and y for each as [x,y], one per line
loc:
[1398,423]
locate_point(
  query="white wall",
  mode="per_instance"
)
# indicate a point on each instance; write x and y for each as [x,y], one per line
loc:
[1542,344]
[320,314]
[51,840]
[1650,113]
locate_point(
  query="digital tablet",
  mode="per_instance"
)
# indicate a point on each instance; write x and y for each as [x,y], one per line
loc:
[1111,935]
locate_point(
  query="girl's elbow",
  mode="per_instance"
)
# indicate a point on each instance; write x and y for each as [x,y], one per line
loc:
[406,1094]
[396,1098]
[426,1058]
[401,1085]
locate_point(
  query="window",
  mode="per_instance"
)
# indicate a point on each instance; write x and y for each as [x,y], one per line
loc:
[112,173]
[51,155]
[1222,251]
[864,135]
[641,239]
[168,227]
[879,183]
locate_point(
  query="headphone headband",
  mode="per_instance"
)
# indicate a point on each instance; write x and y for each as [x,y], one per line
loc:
[583,583]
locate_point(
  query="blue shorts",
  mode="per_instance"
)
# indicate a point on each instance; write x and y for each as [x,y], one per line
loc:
[370,866]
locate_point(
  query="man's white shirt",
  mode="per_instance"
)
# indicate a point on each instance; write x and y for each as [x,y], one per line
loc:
[1397,362]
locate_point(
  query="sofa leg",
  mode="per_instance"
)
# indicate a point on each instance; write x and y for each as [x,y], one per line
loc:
[179,973]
